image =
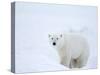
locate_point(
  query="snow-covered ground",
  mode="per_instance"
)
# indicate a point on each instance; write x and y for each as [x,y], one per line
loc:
[33,24]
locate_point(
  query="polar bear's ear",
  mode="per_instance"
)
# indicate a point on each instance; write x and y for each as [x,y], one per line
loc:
[49,35]
[60,35]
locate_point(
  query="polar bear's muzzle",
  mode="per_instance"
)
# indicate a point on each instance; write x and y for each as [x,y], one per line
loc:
[54,43]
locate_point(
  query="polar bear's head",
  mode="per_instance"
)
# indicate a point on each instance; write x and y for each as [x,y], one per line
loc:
[56,40]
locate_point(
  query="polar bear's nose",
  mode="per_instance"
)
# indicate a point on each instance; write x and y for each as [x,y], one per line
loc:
[54,43]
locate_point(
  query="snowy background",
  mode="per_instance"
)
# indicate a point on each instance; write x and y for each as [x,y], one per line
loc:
[33,23]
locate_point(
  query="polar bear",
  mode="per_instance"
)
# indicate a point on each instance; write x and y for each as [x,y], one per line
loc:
[72,48]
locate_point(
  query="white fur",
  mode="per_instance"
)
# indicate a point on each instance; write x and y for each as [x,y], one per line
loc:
[73,49]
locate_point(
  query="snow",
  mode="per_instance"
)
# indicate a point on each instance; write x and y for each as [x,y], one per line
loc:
[33,24]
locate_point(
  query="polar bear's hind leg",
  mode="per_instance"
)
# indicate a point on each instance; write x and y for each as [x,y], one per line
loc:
[82,60]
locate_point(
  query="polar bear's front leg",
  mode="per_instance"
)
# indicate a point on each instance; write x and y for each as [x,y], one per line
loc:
[66,61]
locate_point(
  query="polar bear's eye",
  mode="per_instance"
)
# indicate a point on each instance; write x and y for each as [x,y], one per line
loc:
[61,35]
[52,38]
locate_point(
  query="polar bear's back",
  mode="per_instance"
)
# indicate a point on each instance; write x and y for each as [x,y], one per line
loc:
[76,43]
